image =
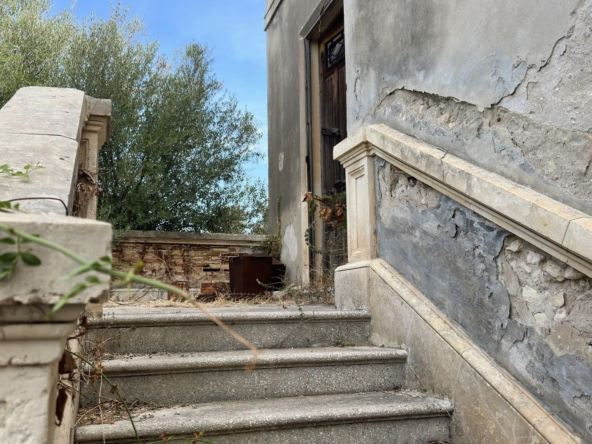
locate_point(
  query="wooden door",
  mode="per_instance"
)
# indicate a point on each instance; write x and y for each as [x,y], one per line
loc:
[333,111]
[333,130]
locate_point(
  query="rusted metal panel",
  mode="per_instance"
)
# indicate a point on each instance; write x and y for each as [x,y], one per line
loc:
[250,274]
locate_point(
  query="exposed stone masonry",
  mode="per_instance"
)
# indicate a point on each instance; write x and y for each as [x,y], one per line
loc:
[200,262]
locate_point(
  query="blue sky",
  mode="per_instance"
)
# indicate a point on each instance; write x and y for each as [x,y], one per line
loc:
[232,28]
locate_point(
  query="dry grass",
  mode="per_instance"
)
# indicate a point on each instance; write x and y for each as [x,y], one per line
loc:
[319,293]
[110,411]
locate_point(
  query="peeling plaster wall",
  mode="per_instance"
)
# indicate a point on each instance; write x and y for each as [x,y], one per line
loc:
[505,85]
[532,314]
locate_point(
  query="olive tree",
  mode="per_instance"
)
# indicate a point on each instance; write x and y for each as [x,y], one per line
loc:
[179,142]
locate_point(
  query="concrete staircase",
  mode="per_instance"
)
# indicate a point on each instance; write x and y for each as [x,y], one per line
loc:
[316,379]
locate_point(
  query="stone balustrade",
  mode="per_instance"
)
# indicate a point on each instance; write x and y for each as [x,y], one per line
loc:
[63,130]
[485,281]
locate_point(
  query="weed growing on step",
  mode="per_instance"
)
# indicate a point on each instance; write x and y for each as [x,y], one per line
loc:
[93,269]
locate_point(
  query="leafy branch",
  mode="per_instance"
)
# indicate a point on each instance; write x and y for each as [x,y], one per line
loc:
[9,261]
[7,207]
[333,211]
[8,170]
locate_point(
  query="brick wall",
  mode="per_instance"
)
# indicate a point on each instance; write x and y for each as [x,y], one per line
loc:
[199,259]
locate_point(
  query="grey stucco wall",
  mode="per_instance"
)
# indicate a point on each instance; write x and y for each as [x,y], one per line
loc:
[505,85]
[532,314]
[285,159]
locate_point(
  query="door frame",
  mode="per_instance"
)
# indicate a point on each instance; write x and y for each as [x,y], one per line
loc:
[325,22]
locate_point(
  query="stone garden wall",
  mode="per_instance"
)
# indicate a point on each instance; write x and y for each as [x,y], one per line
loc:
[197,260]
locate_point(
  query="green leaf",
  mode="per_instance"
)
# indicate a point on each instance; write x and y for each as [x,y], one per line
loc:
[93,280]
[30,259]
[5,274]
[8,258]
[7,240]
[23,175]
[107,259]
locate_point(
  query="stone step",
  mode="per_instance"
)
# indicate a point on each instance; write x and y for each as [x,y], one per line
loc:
[405,417]
[176,330]
[191,378]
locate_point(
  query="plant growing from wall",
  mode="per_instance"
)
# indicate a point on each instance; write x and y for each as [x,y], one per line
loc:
[332,211]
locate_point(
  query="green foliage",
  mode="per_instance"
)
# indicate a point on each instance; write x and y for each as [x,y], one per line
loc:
[9,260]
[7,169]
[179,142]
[8,207]
[31,44]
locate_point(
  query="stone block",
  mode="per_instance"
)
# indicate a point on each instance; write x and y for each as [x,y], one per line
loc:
[482,415]
[43,284]
[579,237]
[433,364]
[28,374]
[391,323]
[171,330]
[58,155]
[527,207]
[195,378]
[351,287]
[44,111]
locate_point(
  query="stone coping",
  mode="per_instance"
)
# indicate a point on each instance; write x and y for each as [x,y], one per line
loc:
[165,237]
[45,125]
[507,387]
[556,228]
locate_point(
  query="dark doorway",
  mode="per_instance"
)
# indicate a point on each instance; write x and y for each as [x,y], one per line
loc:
[333,123]
[333,108]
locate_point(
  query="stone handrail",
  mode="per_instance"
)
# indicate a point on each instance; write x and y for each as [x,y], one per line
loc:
[62,129]
[402,315]
[554,227]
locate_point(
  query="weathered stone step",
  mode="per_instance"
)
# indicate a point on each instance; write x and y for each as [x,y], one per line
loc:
[163,329]
[191,378]
[385,417]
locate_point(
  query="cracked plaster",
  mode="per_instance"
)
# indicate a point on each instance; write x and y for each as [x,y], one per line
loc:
[527,310]
[507,89]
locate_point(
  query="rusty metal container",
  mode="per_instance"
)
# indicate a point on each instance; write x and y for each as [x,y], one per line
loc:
[250,274]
